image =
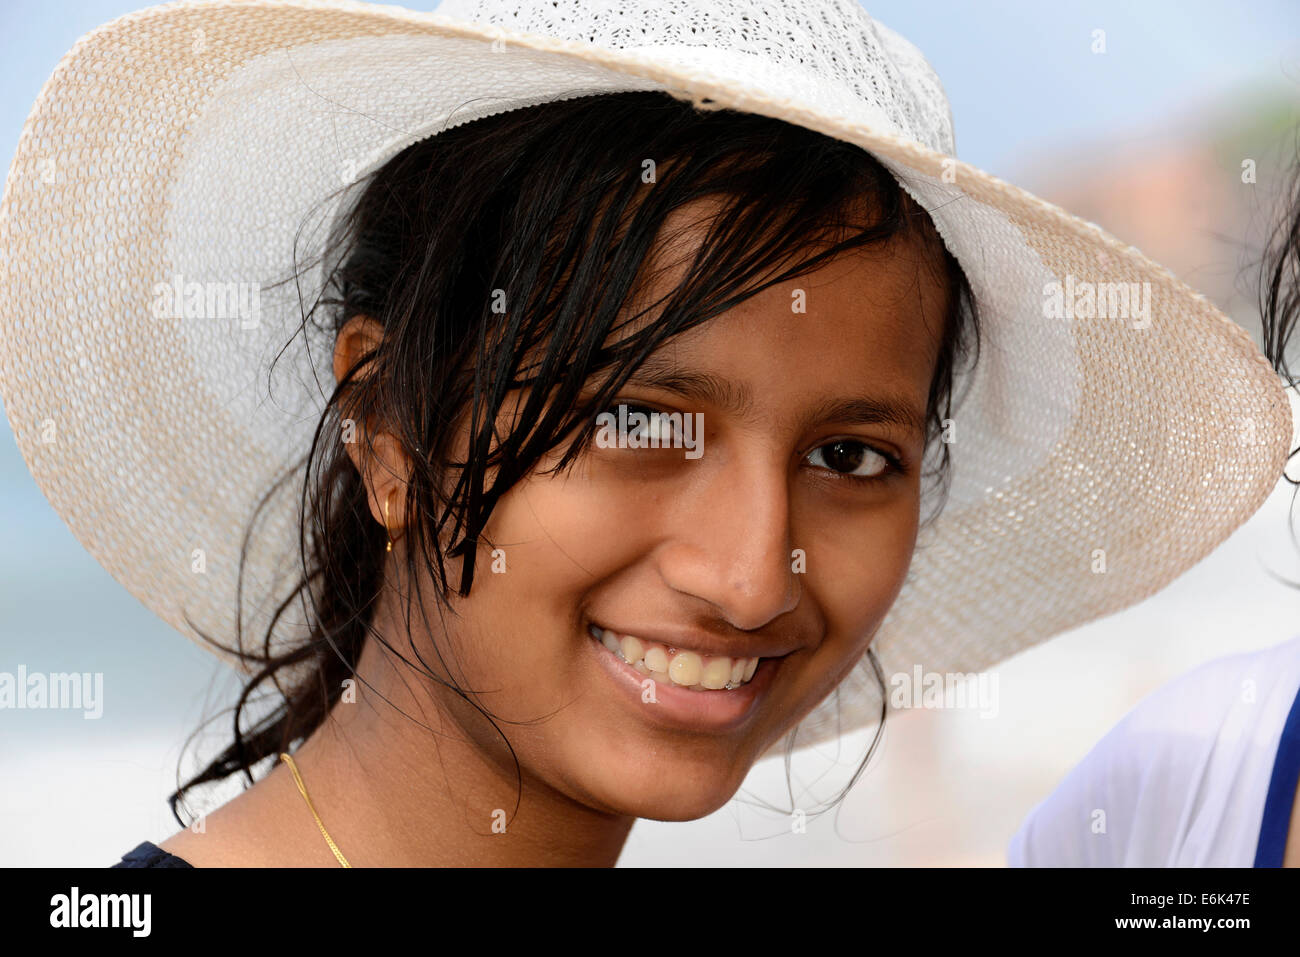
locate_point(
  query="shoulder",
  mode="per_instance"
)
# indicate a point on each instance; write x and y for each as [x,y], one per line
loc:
[1181,780]
[148,854]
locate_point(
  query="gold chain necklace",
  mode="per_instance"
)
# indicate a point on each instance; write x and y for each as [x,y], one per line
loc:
[303,791]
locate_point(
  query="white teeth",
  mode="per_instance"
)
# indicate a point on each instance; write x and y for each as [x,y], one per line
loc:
[633,650]
[656,659]
[716,673]
[685,669]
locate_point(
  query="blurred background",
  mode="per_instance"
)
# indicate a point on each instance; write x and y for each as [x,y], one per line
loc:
[1146,139]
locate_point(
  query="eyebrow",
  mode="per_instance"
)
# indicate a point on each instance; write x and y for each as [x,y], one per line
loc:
[658,372]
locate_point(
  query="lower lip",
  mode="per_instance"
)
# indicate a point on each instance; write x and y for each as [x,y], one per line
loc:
[679,708]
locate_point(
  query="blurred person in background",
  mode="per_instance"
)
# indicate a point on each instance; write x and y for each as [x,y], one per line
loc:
[1205,771]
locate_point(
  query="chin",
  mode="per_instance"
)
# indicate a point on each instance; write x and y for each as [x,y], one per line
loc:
[665,782]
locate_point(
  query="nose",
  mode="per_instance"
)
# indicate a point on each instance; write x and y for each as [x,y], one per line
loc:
[731,545]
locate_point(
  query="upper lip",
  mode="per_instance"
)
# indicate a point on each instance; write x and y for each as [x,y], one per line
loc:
[701,642]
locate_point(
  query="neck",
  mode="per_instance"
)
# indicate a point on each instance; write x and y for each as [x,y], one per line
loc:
[395,793]
[405,775]
[410,775]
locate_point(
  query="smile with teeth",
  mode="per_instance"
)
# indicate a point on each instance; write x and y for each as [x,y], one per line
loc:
[686,669]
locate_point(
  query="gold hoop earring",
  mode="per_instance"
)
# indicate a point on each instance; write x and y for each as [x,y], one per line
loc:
[386,525]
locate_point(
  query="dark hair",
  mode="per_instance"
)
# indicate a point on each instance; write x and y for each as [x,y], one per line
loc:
[549,205]
[1279,277]
[1279,295]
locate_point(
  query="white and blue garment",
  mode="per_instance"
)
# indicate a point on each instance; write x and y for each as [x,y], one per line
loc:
[1201,773]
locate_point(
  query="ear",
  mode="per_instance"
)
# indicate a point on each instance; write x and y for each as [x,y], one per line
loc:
[385,470]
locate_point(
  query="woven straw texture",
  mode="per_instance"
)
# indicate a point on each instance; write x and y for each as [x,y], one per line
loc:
[193,140]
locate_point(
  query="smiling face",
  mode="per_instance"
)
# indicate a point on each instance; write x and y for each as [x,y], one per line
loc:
[787,539]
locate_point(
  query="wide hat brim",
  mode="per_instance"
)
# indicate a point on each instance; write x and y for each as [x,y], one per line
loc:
[1094,459]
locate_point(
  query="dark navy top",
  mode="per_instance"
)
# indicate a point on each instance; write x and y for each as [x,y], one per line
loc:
[150,855]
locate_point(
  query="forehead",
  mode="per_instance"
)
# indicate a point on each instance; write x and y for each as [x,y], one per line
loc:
[872,315]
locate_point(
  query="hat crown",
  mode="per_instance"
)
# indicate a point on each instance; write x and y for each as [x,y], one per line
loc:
[830,44]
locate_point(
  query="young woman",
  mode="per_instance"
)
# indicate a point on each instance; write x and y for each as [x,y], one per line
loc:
[643,453]
[521,716]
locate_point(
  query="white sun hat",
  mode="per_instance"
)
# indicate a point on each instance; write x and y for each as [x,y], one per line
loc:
[1116,429]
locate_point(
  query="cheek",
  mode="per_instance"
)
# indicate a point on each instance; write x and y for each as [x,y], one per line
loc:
[558,536]
[564,534]
[856,573]
[547,542]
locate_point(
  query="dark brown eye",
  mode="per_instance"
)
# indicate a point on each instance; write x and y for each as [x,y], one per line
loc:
[850,458]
